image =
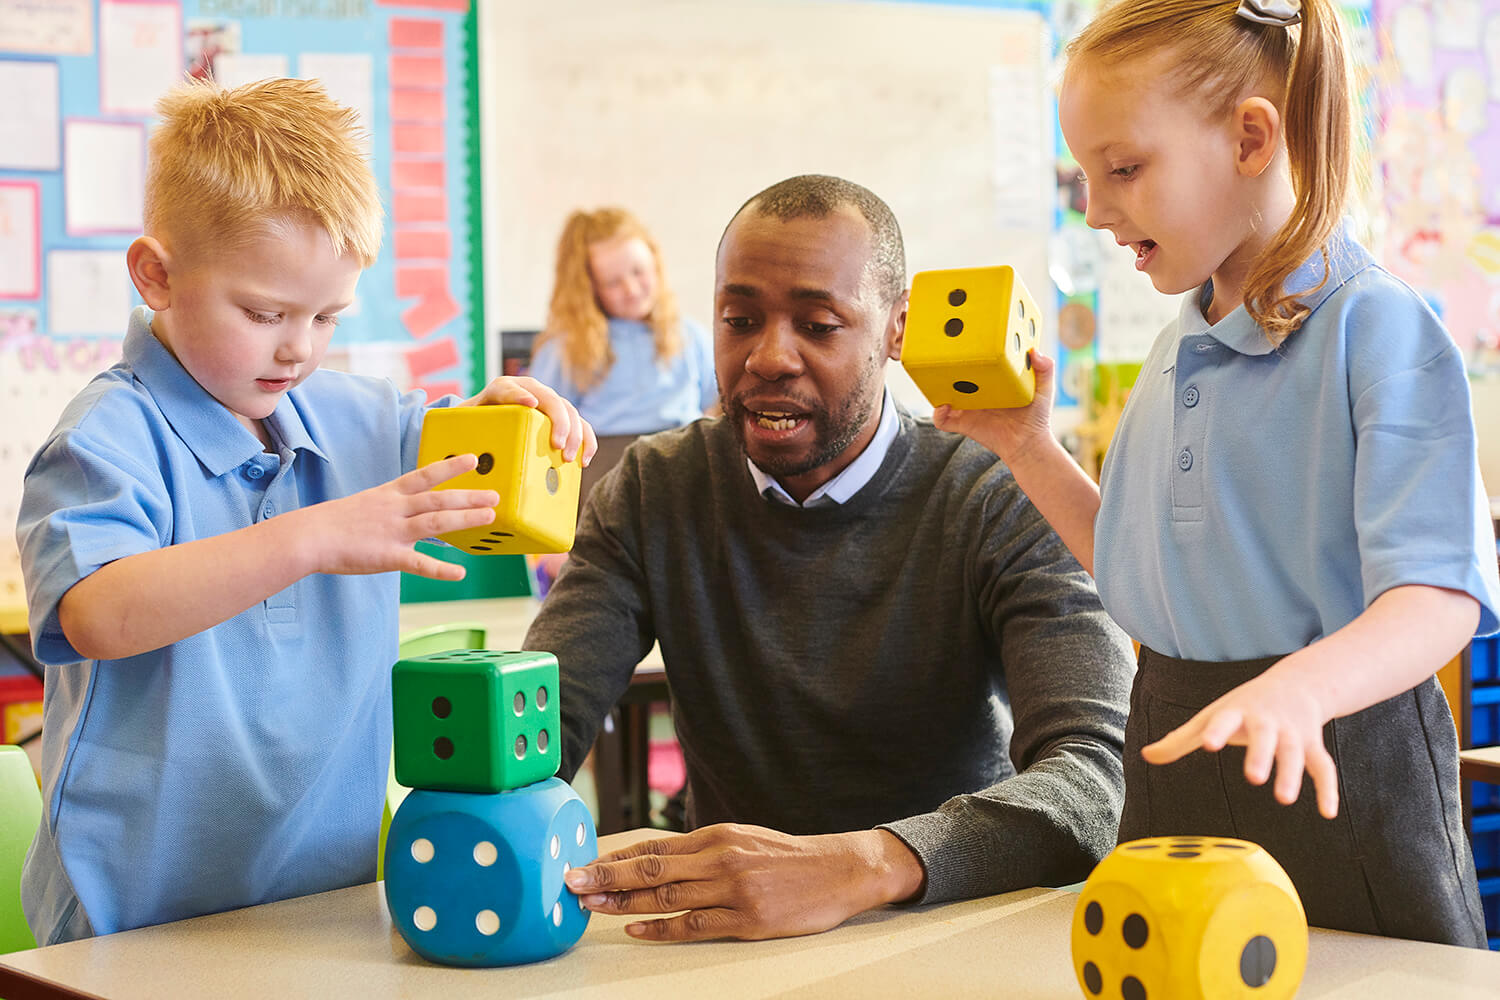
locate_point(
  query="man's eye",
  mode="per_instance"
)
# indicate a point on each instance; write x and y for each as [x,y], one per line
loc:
[821,329]
[738,322]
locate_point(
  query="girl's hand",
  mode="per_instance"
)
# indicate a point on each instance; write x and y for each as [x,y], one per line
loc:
[1009,433]
[570,432]
[1275,719]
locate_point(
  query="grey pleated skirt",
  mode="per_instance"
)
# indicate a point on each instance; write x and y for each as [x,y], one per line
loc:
[1395,861]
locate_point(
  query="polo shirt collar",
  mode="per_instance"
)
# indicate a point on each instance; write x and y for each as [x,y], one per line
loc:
[219,441]
[1242,334]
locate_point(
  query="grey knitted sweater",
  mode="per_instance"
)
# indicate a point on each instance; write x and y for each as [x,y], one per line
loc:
[927,657]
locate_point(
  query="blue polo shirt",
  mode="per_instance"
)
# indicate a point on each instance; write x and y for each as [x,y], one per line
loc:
[1257,499]
[243,764]
[638,395]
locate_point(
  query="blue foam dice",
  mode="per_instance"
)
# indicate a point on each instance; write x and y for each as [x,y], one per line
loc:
[476,879]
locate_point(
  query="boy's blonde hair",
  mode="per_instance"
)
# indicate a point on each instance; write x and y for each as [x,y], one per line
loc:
[575,318]
[1221,57]
[227,165]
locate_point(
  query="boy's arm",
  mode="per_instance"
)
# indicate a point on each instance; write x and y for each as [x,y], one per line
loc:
[152,599]
[1046,473]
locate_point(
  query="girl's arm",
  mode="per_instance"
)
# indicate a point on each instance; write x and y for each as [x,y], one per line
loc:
[1046,473]
[1400,640]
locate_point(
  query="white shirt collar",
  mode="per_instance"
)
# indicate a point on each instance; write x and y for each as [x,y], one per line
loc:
[856,474]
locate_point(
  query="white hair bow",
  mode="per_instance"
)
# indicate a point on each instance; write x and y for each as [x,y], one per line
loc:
[1278,13]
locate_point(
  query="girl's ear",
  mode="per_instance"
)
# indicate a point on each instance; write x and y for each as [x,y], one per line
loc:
[1257,134]
[147,262]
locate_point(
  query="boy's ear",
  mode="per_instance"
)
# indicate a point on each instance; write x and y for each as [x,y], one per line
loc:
[1257,128]
[896,333]
[147,262]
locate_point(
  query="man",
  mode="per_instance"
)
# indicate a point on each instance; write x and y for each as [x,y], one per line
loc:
[879,652]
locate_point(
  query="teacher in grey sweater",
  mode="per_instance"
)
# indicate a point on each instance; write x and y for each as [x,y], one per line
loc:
[890,679]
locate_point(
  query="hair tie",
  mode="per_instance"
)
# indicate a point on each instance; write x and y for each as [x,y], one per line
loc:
[1277,13]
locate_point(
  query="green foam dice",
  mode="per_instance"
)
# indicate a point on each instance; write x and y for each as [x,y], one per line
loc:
[476,720]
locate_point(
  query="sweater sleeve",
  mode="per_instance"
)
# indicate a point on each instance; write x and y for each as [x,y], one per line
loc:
[1066,672]
[595,618]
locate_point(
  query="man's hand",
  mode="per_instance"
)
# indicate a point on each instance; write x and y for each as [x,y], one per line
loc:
[570,432]
[748,882]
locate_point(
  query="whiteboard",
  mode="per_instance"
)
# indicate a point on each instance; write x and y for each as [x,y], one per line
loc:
[680,111]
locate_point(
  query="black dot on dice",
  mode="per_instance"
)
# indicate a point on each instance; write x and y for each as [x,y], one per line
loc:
[1258,961]
[1135,930]
[1232,847]
[953,327]
[442,707]
[1093,918]
[486,463]
[967,388]
[480,548]
[443,747]
[957,297]
[1092,979]
[1183,854]
[1142,847]
[1132,988]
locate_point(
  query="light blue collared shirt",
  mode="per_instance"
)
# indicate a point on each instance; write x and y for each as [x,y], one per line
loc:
[639,395]
[855,475]
[245,763]
[1255,499]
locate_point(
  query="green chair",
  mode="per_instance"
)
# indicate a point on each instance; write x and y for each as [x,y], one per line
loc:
[423,642]
[20,813]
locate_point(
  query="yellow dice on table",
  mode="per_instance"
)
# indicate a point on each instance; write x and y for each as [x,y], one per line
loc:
[968,334]
[1187,918]
[538,490]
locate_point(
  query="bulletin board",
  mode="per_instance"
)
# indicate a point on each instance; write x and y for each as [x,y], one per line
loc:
[1439,153]
[80,79]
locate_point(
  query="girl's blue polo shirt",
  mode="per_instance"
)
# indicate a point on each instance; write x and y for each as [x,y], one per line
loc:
[1257,499]
[638,396]
[243,764]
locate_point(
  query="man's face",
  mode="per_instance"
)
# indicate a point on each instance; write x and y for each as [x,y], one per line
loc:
[800,343]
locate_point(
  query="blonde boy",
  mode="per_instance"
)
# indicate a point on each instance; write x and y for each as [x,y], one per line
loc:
[208,537]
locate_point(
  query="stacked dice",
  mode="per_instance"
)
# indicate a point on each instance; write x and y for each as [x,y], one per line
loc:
[476,854]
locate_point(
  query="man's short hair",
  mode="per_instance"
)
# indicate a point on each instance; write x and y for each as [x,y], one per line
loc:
[226,165]
[819,195]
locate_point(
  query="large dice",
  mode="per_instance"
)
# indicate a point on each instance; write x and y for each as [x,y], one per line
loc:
[968,334]
[538,507]
[478,879]
[476,720]
[1184,918]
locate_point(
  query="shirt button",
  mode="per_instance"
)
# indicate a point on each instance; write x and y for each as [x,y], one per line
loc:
[270,509]
[1190,396]
[1184,460]
[254,471]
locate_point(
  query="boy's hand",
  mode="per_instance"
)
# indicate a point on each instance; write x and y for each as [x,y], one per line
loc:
[1009,433]
[375,531]
[570,432]
[1276,719]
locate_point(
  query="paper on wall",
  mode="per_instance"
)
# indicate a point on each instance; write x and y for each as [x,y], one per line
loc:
[88,292]
[29,115]
[103,176]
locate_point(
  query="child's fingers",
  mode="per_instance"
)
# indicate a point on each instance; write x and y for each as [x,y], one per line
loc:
[420,564]
[1289,760]
[1177,744]
[440,522]
[1220,727]
[430,500]
[590,442]
[1261,740]
[436,473]
[1325,778]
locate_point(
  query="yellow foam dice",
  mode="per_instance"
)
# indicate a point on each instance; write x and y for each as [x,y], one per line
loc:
[1189,918]
[968,334]
[538,489]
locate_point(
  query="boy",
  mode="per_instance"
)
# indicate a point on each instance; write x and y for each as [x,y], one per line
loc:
[209,533]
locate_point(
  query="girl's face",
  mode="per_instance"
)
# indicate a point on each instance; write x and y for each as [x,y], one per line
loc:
[1161,175]
[624,273]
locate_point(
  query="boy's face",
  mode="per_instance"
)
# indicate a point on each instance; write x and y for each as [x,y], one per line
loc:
[250,323]
[1161,176]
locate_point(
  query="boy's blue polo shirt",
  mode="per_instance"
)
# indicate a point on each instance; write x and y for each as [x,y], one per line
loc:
[638,395]
[243,764]
[1257,499]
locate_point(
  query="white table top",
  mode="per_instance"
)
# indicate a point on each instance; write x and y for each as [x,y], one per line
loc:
[341,943]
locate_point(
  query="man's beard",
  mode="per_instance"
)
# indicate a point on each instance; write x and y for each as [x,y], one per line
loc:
[833,430]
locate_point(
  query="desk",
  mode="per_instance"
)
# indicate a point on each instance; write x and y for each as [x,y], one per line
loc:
[340,944]
[1480,764]
[622,749]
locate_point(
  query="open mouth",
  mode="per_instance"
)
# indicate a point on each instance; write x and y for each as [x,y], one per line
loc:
[273,384]
[1143,251]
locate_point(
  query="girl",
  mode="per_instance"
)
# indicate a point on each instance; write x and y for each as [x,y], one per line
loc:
[614,345]
[1290,518]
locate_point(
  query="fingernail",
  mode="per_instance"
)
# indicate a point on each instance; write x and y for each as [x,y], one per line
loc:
[635,930]
[594,899]
[577,878]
